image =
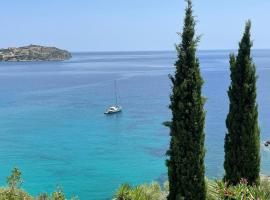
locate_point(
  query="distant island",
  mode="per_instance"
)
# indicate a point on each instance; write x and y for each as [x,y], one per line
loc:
[34,53]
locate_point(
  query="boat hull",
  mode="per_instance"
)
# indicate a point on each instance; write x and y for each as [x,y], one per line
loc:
[112,112]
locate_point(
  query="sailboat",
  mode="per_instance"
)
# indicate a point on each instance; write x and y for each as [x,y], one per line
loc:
[115,108]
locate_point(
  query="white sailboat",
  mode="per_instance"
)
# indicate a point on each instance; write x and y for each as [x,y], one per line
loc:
[115,108]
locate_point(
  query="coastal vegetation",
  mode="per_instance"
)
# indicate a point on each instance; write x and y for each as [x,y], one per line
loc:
[185,162]
[152,191]
[242,142]
[13,190]
[216,190]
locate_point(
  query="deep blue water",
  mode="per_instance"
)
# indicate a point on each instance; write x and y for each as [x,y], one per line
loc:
[53,128]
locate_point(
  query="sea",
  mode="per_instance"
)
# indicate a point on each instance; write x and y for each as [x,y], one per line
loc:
[53,127]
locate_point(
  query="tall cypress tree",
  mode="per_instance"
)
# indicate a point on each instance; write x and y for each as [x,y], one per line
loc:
[242,142]
[185,162]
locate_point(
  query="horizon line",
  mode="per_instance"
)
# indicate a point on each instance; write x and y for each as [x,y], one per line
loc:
[128,51]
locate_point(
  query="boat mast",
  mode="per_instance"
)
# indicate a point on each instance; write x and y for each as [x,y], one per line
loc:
[115,93]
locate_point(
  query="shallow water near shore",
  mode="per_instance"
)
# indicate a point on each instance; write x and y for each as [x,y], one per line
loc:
[53,128]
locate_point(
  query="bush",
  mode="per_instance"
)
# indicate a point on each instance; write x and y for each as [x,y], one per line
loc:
[216,190]
[142,192]
[220,190]
[14,192]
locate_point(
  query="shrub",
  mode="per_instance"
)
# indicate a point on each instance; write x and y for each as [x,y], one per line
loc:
[142,192]
[14,192]
[243,191]
[216,190]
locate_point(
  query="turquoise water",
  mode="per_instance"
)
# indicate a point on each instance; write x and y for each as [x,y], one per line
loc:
[53,128]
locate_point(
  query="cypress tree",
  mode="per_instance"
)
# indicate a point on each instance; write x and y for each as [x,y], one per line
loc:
[185,161]
[242,141]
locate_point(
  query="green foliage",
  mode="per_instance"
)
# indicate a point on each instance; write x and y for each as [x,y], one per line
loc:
[58,195]
[13,191]
[43,196]
[7,194]
[242,142]
[142,192]
[185,162]
[123,192]
[14,180]
[216,190]
[242,191]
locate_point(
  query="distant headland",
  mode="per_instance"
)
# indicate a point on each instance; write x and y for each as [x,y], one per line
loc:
[34,53]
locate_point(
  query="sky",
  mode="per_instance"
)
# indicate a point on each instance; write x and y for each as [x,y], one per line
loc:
[130,25]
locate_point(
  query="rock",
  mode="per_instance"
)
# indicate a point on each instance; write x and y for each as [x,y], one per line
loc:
[34,53]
